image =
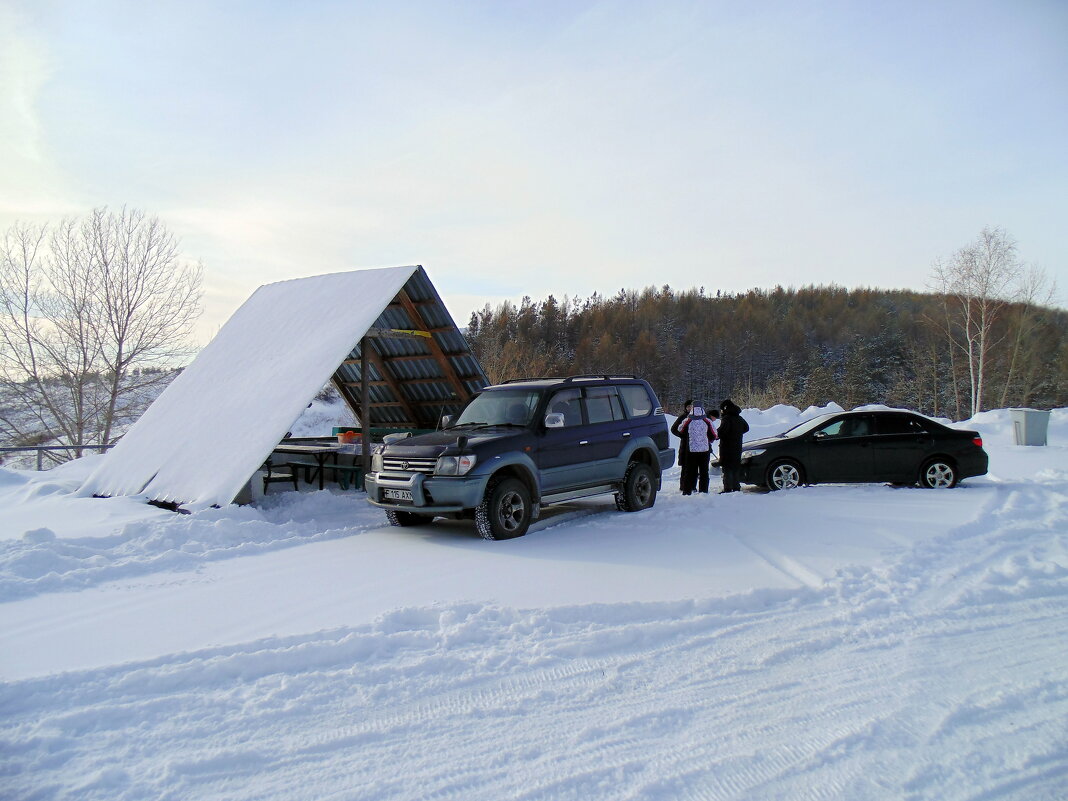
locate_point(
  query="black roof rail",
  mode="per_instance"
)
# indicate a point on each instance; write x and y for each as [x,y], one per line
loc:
[568,379]
[525,380]
[593,377]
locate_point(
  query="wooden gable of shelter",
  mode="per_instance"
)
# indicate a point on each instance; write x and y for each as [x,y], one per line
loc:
[418,363]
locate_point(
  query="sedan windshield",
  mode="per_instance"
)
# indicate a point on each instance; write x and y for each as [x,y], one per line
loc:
[803,428]
[500,407]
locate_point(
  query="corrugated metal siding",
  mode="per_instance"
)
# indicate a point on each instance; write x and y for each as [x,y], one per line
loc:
[425,388]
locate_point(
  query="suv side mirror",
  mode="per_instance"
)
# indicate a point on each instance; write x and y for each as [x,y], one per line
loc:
[554,420]
[446,420]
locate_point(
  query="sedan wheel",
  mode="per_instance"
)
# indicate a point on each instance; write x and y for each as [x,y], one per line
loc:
[784,475]
[938,474]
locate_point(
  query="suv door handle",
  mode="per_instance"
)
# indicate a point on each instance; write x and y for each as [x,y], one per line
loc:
[626,433]
[584,442]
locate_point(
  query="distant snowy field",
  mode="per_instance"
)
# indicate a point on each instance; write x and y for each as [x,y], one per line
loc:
[838,642]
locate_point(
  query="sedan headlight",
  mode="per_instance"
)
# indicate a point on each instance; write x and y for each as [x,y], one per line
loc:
[455,465]
[747,455]
[376,462]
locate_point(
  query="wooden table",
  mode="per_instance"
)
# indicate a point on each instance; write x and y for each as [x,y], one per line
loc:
[320,451]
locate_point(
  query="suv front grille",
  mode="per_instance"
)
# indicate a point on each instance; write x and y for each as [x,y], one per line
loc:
[408,464]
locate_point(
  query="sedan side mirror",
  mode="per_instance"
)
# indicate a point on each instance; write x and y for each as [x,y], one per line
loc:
[554,420]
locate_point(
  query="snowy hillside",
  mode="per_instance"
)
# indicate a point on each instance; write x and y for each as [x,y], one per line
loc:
[846,642]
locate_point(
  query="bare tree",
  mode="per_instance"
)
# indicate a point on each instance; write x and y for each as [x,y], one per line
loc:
[976,284]
[85,308]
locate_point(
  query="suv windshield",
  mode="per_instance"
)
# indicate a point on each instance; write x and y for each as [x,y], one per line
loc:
[500,407]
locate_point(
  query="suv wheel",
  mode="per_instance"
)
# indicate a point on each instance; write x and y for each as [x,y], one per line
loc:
[505,510]
[396,518]
[639,488]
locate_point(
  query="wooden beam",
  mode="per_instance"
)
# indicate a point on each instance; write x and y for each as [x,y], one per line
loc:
[447,369]
[446,402]
[372,355]
[395,304]
[344,387]
[412,381]
[407,358]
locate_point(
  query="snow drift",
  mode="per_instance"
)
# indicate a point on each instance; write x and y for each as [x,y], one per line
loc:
[859,642]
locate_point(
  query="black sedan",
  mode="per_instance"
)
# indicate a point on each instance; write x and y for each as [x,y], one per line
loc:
[881,446]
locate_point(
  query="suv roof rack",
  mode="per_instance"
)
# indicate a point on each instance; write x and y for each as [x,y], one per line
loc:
[568,379]
[536,378]
[593,377]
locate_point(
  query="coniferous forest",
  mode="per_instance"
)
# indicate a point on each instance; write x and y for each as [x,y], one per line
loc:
[802,347]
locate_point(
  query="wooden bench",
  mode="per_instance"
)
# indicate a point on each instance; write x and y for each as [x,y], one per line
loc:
[346,474]
[287,471]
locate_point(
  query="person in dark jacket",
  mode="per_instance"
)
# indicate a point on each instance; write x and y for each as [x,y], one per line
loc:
[684,447]
[731,430]
[699,433]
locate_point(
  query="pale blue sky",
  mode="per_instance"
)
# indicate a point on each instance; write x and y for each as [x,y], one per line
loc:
[546,147]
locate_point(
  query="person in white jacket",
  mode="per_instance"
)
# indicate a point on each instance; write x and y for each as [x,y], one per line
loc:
[699,434]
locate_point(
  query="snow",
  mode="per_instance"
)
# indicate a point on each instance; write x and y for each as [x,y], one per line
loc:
[854,642]
[245,389]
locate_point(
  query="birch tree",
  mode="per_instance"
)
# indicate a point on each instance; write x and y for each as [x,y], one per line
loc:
[90,311]
[976,283]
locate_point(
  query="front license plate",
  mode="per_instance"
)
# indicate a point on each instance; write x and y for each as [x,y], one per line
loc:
[397,495]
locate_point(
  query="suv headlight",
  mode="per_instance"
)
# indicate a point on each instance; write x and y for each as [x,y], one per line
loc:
[455,465]
[747,455]
[376,462]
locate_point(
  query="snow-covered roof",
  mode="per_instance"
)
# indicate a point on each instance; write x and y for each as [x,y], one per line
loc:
[212,428]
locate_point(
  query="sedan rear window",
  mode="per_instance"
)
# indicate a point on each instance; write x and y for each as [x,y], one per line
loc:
[900,424]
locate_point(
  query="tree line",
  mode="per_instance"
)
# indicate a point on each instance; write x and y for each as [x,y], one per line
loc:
[96,316]
[801,347]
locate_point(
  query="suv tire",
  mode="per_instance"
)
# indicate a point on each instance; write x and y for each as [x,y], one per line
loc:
[505,510]
[396,518]
[639,488]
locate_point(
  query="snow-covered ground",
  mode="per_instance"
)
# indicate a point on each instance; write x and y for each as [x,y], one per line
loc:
[846,642]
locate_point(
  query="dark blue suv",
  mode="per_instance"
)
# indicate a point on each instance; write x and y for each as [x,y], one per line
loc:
[520,445]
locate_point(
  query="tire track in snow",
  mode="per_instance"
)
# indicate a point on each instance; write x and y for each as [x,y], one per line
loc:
[926,678]
[39,563]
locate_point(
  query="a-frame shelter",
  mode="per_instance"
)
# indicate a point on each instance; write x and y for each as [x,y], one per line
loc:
[383,337]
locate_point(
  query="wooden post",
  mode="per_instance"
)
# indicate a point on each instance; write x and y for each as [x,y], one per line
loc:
[365,406]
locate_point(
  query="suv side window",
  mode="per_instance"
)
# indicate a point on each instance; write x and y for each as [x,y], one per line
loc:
[602,405]
[568,402]
[636,400]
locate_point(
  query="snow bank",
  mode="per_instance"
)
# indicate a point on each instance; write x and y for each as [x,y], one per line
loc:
[860,642]
[939,675]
